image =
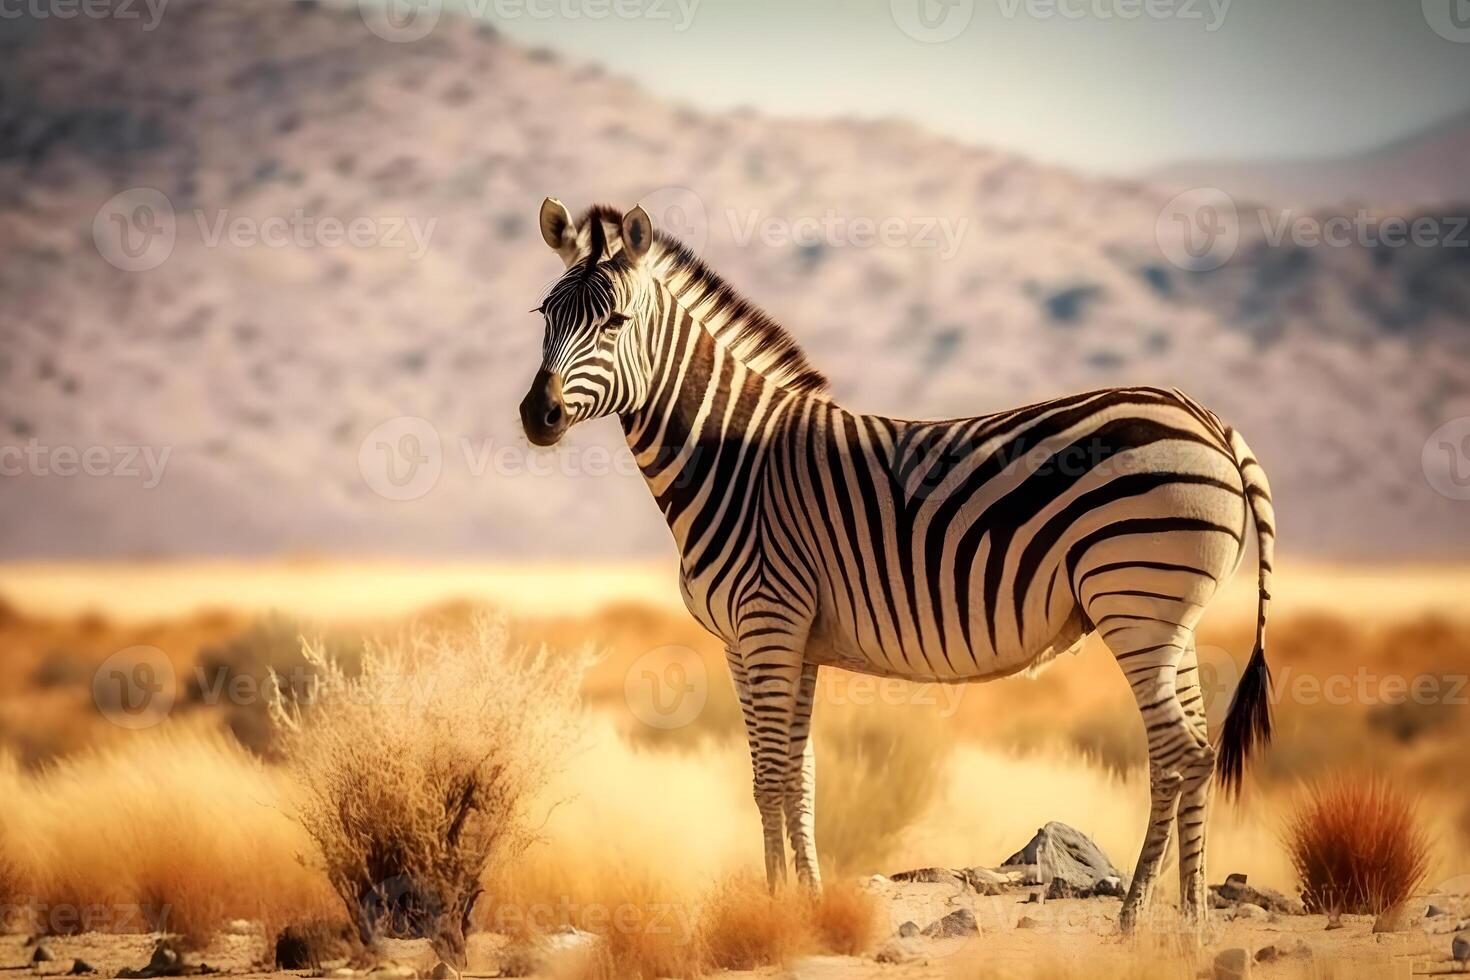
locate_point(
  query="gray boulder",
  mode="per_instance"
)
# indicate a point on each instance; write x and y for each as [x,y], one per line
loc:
[959,923]
[1235,891]
[930,876]
[1069,861]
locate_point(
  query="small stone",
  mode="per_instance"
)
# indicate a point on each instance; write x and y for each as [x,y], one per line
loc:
[908,930]
[898,951]
[42,954]
[1460,947]
[1268,954]
[1026,922]
[960,922]
[878,880]
[80,967]
[1036,896]
[985,881]
[1248,912]
[1433,911]
[929,876]
[1231,964]
[1334,923]
[443,971]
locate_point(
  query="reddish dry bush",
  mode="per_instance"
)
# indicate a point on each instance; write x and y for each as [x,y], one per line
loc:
[1357,846]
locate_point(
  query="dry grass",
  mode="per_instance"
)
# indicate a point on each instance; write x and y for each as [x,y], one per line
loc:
[1357,846]
[745,926]
[129,839]
[418,772]
[847,920]
[879,769]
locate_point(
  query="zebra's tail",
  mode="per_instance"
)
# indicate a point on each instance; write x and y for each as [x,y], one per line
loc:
[1248,722]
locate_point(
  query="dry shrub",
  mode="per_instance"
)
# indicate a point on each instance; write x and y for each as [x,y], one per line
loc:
[745,926]
[419,772]
[846,918]
[177,829]
[1357,846]
[879,768]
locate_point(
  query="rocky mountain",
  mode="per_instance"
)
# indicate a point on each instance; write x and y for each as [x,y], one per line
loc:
[1425,170]
[288,261]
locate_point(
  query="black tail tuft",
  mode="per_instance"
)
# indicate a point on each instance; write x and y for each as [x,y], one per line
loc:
[1247,723]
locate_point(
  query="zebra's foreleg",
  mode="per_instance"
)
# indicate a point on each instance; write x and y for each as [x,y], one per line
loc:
[801,805]
[770,804]
[1194,796]
[771,651]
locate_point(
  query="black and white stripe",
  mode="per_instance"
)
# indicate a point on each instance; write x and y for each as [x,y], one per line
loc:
[949,551]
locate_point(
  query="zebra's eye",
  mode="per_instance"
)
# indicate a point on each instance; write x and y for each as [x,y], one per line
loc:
[615,321]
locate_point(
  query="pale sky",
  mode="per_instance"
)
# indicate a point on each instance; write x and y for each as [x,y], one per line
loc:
[1073,82]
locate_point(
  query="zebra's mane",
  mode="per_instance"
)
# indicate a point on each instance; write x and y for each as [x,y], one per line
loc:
[752,337]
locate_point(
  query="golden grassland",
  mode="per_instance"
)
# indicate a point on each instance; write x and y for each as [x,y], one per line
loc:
[657,821]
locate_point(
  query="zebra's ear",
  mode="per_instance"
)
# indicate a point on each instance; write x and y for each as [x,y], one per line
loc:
[637,231]
[557,229]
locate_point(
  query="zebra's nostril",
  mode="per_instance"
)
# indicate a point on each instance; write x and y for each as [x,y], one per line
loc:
[553,416]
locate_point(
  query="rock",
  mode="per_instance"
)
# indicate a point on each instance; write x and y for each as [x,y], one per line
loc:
[1026,922]
[1269,954]
[80,967]
[310,945]
[908,930]
[42,954]
[571,939]
[166,960]
[1334,922]
[899,951]
[1248,912]
[960,922]
[1235,890]
[878,880]
[1396,919]
[1060,851]
[1037,896]
[394,971]
[1460,947]
[930,876]
[1434,911]
[1231,964]
[985,881]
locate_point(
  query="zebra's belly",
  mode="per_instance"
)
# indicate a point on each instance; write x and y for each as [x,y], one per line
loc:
[924,659]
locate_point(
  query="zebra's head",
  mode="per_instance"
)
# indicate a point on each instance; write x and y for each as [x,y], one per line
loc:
[595,356]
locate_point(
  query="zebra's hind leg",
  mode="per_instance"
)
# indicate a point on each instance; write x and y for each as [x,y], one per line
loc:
[1149,651]
[801,790]
[1194,796]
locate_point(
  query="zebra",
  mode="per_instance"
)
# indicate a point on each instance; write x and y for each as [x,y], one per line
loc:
[935,551]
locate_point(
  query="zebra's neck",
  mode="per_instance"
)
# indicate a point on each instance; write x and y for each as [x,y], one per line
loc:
[713,405]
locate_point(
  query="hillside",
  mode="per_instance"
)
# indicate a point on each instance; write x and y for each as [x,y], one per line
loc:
[264,368]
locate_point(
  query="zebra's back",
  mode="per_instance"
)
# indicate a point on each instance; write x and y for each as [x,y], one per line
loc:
[973,548]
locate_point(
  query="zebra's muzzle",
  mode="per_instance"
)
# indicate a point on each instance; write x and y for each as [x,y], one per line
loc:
[543,413]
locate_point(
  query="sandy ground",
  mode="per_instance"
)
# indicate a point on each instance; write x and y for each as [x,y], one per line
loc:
[1018,938]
